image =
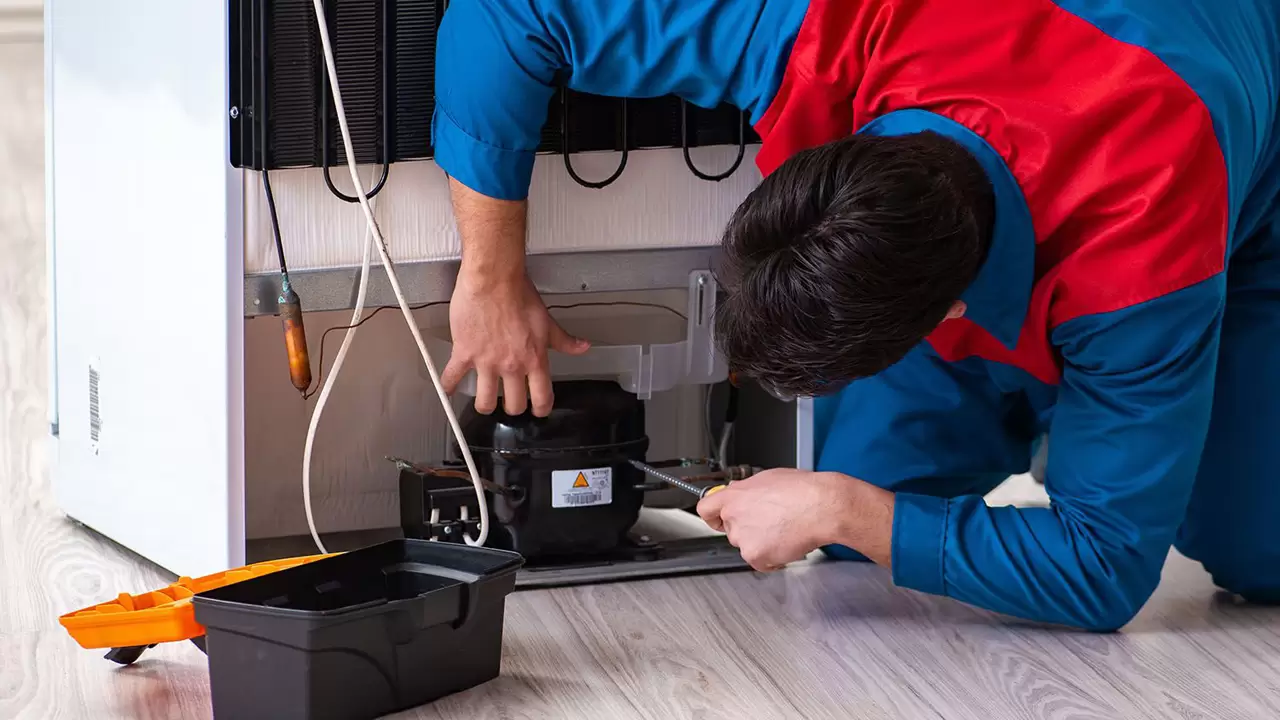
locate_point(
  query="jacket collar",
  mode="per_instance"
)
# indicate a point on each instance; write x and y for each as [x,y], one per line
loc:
[998,298]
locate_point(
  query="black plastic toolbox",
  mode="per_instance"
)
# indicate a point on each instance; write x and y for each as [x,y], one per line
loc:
[358,635]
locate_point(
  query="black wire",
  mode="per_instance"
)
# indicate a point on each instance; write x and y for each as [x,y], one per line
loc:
[319,382]
[620,303]
[275,220]
[261,116]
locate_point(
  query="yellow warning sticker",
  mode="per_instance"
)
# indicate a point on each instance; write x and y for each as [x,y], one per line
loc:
[580,488]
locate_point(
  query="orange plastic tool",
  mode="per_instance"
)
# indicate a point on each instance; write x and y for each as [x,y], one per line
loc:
[164,615]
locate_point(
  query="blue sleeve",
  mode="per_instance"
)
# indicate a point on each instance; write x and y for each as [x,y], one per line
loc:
[925,425]
[495,73]
[1125,443]
[497,65]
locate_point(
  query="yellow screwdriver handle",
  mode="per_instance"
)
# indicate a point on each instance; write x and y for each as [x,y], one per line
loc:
[714,490]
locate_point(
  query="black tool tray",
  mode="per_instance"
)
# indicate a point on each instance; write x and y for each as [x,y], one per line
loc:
[358,635]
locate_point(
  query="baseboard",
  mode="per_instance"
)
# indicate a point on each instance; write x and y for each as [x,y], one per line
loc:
[21,20]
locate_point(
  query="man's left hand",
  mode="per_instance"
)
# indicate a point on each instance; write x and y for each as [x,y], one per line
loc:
[780,516]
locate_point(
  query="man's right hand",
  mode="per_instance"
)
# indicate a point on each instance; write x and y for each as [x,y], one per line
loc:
[502,329]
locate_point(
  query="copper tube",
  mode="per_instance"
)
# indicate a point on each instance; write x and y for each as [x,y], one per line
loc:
[295,341]
[442,472]
[731,473]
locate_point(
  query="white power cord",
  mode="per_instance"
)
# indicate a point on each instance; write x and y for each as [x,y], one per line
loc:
[347,338]
[372,223]
[722,451]
[719,451]
[706,422]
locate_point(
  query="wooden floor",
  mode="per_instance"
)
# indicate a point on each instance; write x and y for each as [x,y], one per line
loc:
[821,641]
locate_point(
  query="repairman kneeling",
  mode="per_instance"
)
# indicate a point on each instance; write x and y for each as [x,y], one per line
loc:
[981,222]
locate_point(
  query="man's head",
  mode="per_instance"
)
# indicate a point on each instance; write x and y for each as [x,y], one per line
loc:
[848,255]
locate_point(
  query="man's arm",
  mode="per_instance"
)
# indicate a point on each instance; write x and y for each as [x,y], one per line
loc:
[499,322]
[1126,440]
[1125,445]
[494,80]
[497,64]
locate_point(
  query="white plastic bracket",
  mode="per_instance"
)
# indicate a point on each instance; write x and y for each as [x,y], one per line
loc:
[703,362]
[645,369]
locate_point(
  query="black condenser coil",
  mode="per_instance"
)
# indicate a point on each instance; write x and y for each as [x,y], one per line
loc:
[385,53]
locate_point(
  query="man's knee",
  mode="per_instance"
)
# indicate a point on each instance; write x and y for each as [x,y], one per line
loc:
[1239,567]
[1258,585]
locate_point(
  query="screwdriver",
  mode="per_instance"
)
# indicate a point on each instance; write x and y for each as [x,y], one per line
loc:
[674,481]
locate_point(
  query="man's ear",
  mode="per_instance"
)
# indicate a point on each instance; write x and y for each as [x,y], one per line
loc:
[957,310]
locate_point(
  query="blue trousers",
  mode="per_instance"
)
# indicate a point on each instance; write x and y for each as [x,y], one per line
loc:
[1231,523]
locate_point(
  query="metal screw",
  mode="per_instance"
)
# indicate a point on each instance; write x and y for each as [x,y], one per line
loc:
[448,529]
[235,112]
[669,478]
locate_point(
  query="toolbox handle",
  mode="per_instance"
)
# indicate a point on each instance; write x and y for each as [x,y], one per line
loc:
[463,589]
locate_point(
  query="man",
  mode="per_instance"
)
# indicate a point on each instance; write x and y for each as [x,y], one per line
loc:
[980,222]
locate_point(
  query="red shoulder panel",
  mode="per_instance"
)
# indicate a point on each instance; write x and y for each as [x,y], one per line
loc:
[1115,154]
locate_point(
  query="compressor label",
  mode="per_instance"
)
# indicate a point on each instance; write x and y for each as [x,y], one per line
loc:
[581,488]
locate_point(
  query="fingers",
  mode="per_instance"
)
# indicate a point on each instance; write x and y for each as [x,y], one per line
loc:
[515,394]
[486,384]
[761,557]
[524,376]
[486,391]
[709,509]
[540,392]
[563,342]
[762,564]
[517,390]
[453,373]
[540,388]
[723,511]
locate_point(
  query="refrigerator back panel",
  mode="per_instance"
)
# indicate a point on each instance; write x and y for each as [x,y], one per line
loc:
[385,53]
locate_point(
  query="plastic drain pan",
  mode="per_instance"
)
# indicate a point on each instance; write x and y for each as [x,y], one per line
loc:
[357,635]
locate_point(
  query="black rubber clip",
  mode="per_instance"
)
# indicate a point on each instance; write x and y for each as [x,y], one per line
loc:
[564,144]
[684,144]
[386,115]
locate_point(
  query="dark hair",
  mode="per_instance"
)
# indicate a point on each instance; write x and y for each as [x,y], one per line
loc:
[847,256]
